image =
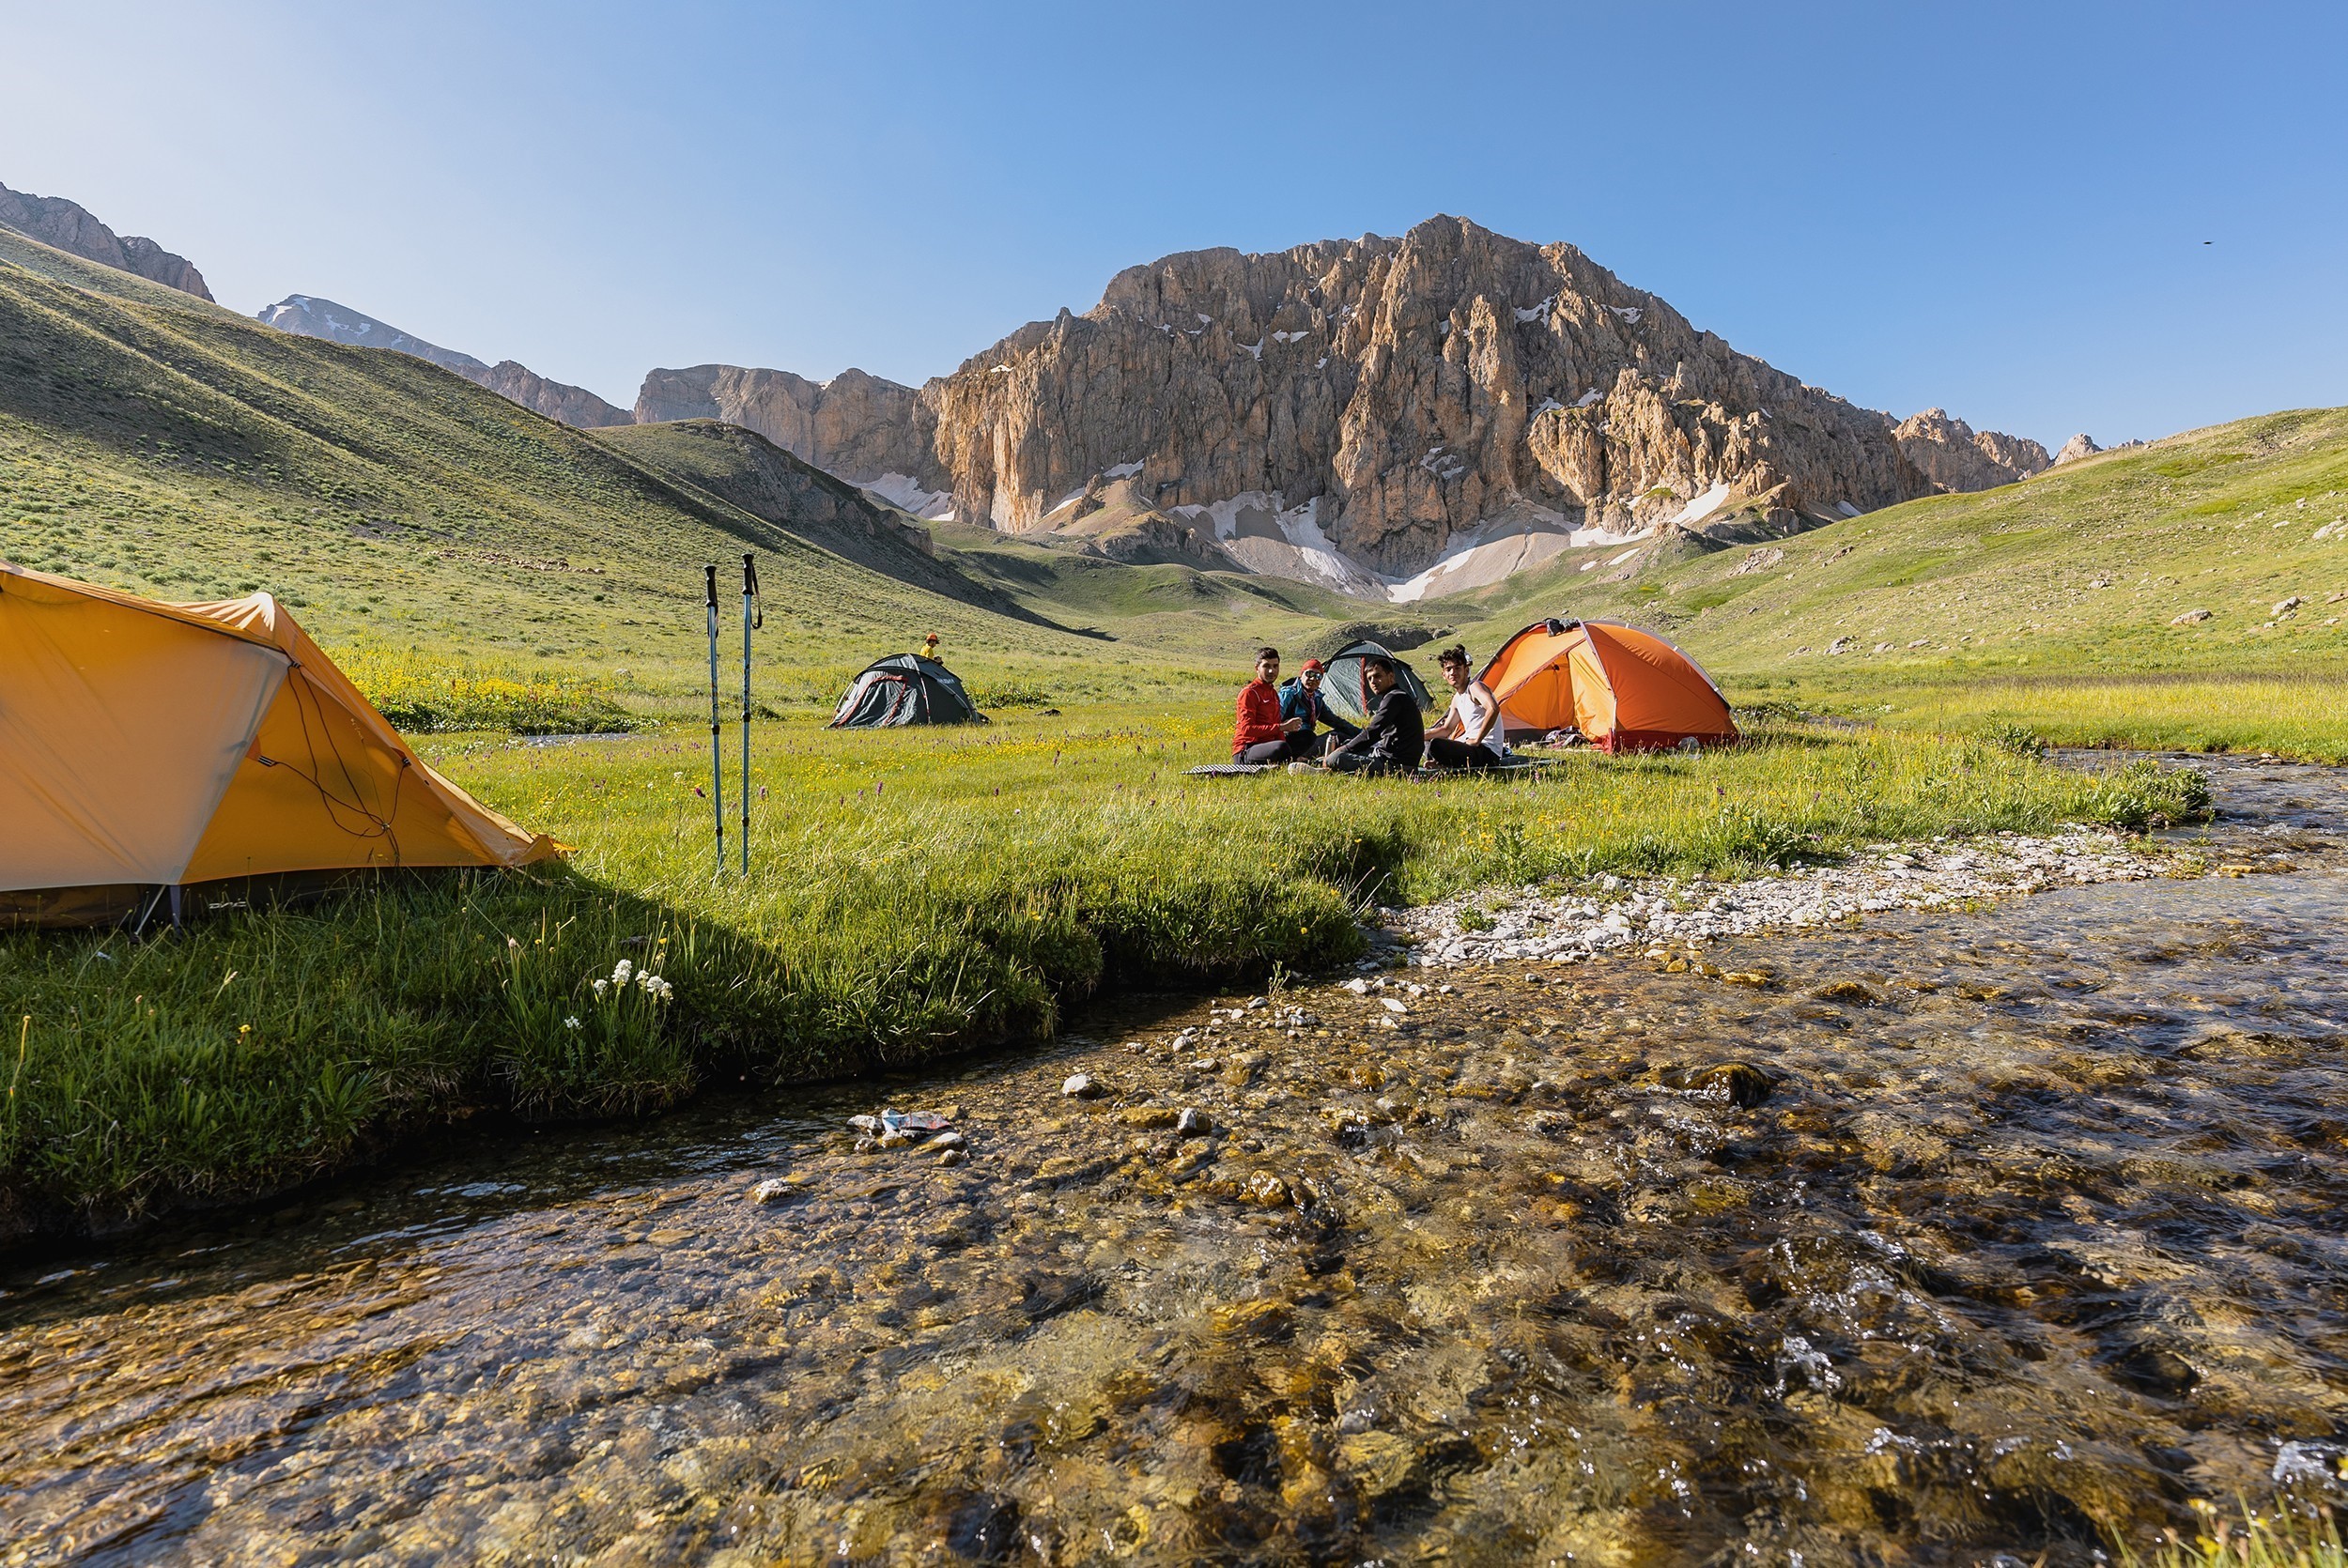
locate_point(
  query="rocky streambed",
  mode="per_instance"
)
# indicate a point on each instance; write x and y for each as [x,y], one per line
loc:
[1922,1238]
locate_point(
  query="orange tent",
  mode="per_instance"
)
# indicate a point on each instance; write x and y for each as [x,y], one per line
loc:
[147,745]
[1626,689]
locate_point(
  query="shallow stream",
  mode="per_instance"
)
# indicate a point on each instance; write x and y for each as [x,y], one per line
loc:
[1960,1235]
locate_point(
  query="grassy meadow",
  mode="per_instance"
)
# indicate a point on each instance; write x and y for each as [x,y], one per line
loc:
[914,894]
[2301,715]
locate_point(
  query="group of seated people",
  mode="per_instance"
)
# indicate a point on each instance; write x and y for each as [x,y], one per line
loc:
[1284,723]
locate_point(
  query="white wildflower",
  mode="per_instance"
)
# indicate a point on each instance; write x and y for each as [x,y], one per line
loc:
[622,971]
[571,1023]
[659,989]
[602,985]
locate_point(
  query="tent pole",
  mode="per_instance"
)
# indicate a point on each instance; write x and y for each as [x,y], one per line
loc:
[716,756]
[153,904]
[751,616]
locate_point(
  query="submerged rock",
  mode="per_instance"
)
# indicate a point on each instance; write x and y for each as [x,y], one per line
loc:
[1268,1191]
[1740,1083]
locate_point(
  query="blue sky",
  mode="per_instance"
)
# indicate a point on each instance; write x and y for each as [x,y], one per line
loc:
[1999,209]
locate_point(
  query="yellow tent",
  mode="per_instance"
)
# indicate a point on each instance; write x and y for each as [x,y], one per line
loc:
[153,745]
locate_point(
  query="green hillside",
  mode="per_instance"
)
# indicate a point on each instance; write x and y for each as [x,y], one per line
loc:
[2080,569]
[744,469]
[160,444]
[1212,616]
[2051,606]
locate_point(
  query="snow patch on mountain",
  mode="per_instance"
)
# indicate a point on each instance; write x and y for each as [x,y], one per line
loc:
[904,493]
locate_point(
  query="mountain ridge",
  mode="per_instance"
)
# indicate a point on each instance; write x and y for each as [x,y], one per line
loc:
[74,229]
[1365,411]
[311,315]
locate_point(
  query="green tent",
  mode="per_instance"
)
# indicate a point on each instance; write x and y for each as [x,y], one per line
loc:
[1348,690]
[905,688]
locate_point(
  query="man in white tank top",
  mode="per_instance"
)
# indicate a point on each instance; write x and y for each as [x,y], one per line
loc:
[1469,735]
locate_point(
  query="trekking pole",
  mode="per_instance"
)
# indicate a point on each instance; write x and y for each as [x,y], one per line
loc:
[753,616]
[717,757]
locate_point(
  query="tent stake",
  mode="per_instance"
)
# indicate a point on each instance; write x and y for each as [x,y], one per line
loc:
[716,756]
[754,614]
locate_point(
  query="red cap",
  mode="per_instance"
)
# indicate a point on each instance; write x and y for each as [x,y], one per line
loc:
[1316,666]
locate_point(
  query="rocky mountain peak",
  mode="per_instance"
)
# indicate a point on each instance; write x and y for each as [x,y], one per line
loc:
[858,426]
[1359,412]
[1955,456]
[308,316]
[1416,392]
[74,229]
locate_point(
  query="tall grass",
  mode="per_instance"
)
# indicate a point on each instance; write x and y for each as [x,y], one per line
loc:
[2291,1536]
[913,894]
[423,695]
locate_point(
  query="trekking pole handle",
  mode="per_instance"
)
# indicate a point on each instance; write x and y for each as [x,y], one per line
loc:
[710,572]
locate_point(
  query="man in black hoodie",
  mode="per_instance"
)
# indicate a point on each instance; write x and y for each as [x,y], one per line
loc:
[1397,731]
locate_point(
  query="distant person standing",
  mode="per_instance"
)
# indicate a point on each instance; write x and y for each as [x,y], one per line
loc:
[1302,699]
[1263,734]
[1469,735]
[1396,733]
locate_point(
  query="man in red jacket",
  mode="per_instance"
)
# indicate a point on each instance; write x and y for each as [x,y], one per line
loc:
[1263,735]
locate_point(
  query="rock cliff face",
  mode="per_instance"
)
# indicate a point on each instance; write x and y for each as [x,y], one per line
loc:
[857,426]
[1419,388]
[557,400]
[1380,403]
[1954,456]
[72,228]
[306,315]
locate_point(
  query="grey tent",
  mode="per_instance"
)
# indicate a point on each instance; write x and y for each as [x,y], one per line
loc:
[905,688]
[1348,691]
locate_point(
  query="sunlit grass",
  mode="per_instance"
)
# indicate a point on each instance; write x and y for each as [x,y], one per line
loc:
[912,893]
[426,695]
[2284,1537]
[2292,714]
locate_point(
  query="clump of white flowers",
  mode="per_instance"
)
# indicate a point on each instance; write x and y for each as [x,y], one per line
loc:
[623,973]
[572,1021]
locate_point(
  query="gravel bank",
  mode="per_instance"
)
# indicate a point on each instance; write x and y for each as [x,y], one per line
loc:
[1609,913]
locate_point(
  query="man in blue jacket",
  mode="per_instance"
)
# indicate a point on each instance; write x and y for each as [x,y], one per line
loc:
[1302,699]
